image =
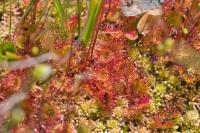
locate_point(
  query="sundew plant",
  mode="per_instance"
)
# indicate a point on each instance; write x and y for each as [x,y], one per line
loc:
[99,66]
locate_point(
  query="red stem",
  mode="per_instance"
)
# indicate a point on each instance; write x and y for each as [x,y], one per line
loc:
[93,41]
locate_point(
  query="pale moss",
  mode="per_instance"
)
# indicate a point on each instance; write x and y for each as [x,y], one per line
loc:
[174,80]
[112,123]
[152,80]
[116,130]
[192,115]
[85,107]
[122,102]
[164,74]
[134,54]
[118,112]
[158,102]
[146,63]
[100,126]
[89,107]
[153,107]
[83,129]
[179,120]
[161,88]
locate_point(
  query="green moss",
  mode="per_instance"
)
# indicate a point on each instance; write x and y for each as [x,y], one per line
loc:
[164,74]
[112,123]
[83,129]
[160,88]
[122,102]
[89,107]
[100,126]
[118,112]
[134,54]
[174,80]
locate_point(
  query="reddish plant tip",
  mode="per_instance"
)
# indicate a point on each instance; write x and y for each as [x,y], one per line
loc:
[165,118]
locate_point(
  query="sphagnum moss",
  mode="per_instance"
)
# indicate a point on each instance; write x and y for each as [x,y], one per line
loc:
[131,82]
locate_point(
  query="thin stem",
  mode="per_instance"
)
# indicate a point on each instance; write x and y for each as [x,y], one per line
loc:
[10,18]
[4,6]
[29,8]
[106,14]
[94,37]
[79,15]
[96,34]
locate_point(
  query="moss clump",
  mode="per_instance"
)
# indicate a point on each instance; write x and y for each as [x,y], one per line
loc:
[161,88]
[112,123]
[192,115]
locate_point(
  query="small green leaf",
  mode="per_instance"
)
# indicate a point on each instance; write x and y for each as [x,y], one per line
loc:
[9,46]
[11,56]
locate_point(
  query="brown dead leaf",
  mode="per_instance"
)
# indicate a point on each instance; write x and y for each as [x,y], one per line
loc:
[147,21]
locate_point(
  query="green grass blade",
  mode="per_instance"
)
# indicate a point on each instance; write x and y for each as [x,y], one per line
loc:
[79,16]
[61,14]
[10,18]
[94,9]
[59,9]
[29,8]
